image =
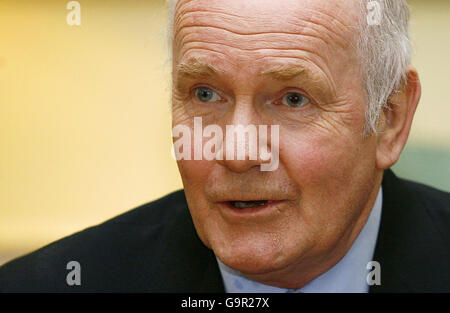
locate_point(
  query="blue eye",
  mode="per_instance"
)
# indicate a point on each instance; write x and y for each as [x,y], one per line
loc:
[207,95]
[295,100]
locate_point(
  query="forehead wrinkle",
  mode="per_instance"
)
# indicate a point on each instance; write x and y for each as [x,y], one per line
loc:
[189,15]
[313,22]
[307,32]
[249,40]
[199,44]
[334,26]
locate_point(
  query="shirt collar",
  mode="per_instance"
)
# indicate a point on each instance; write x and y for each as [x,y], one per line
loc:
[348,275]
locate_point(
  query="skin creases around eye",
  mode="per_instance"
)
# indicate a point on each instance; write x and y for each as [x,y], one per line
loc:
[207,95]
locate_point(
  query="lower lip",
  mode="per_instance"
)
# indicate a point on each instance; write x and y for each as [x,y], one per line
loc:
[251,212]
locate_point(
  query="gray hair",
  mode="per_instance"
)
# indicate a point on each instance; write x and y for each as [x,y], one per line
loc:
[384,49]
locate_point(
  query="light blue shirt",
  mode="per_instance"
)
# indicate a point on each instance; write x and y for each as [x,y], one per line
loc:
[348,275]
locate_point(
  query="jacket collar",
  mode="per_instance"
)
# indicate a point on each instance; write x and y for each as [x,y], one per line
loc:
[406,240]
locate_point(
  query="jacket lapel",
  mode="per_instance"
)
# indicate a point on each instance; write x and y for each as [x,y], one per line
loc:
[406,240]
[186,265]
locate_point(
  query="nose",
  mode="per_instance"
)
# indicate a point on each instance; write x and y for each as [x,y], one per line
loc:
[239,150]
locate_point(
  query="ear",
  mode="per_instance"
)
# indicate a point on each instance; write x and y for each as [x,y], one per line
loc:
[397,120]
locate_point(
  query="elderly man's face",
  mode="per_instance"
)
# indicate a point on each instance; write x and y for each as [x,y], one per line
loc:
[290,63]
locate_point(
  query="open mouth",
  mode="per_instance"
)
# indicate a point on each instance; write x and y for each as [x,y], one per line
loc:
[239,210]
[248,204]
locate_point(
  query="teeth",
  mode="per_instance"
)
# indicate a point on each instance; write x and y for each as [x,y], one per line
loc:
[247,204]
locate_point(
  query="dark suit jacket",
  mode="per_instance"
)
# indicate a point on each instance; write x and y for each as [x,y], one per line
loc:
[155,248]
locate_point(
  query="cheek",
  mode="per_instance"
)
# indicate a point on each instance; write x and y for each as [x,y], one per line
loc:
[194,174]
[327,173]
[332,175]
[306,162]
[318,160]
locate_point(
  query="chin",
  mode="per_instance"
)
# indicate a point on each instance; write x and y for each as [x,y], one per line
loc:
[251,256]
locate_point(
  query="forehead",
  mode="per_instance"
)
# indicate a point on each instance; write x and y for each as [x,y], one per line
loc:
[248,30]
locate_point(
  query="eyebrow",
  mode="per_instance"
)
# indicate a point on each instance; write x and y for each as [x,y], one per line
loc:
[196,69]
[285,72]
[290,71]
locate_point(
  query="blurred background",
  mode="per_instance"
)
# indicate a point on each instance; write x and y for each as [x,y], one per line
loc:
[85,131]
